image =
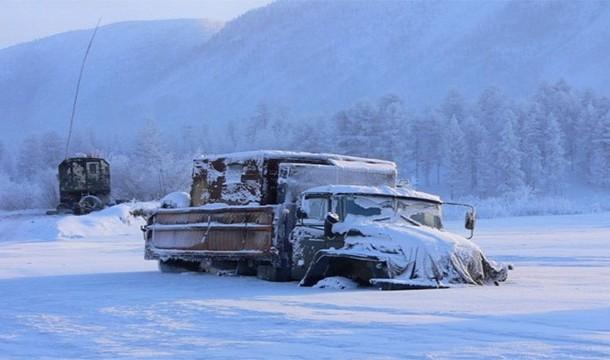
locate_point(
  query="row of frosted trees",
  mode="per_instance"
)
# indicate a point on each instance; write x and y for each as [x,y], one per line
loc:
[489,146]
[486,147]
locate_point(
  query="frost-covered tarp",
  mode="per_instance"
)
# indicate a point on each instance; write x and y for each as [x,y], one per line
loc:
[415,256]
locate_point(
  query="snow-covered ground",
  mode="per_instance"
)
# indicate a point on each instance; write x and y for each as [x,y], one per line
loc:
[78,287]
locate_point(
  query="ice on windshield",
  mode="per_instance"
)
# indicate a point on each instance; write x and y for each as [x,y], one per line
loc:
[369,206]
[316,209]
[381,208]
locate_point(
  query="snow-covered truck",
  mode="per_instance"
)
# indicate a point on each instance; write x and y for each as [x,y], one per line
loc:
[84,185]
[300,216]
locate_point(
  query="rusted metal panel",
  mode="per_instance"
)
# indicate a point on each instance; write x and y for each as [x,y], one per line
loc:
[240,179]
[214,239]
[210,226]
[235,183]
[225,229]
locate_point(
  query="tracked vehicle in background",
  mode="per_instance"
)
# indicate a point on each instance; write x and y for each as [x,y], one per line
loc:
[84,185]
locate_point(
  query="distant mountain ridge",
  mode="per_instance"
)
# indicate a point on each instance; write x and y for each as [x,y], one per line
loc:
[38,78]
[312,57]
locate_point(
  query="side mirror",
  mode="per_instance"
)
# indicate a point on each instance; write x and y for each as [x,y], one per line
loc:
[470,222]
[301,214]
[329,221]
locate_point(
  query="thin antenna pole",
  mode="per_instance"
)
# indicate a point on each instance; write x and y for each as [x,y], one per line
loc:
[80,76]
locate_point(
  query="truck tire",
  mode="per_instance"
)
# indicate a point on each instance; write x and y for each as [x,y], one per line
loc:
[178,266]
[89,203]
[272,273]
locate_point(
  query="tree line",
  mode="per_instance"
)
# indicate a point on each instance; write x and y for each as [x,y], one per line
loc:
[488,146]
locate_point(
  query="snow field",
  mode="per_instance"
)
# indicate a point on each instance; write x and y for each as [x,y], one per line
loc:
[95,297]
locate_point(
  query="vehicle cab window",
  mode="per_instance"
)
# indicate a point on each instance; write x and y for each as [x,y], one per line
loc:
[92,168]
[425,213]
[316,208]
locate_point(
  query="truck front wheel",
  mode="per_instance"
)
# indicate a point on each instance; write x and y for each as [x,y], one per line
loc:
[272,273]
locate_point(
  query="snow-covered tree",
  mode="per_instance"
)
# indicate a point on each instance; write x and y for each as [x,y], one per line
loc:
[560,100]
[351,126]
[232,137]
[312,135]
[193,140]
[153,170]
[258,124]
[29,160]
[490,110]
[457,172]
[52,149]
[509,176]
[600,157]
[479,163]
[427,154]
[531,133]
[554,163]
[454,105]
[384,129]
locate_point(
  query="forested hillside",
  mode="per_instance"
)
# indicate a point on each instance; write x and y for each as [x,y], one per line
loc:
[491,147]
[309,57]
[477,99]
[38,78]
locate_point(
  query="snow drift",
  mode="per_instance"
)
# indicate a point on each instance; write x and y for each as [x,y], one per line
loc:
[111,222]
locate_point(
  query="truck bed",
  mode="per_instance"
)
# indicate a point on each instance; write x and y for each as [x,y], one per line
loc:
[199,233]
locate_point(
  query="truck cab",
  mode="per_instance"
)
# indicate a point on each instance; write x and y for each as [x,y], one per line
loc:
[320,208]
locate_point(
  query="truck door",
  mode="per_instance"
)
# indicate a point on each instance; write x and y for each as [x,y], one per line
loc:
[308,235]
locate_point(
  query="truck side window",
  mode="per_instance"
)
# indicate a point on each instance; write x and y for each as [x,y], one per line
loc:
[316,209]
[92,168]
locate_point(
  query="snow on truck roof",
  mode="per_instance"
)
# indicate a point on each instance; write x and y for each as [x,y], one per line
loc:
[343,161]
[373,190]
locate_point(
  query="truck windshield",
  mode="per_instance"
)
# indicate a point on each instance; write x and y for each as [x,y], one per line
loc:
[384,208]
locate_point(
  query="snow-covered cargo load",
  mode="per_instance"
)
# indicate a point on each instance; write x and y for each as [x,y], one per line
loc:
[282,216]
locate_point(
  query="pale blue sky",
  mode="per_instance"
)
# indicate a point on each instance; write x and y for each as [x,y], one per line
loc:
[25,20]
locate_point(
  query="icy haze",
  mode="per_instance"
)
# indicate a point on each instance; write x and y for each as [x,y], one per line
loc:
[312,57]
[38,78]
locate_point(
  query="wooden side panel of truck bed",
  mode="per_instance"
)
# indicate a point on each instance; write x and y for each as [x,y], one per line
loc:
[238,230]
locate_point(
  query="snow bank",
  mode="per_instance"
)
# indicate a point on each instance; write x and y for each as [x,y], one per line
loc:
[175,200]
[119,220]
[336,282]
[530,203]
[112,221]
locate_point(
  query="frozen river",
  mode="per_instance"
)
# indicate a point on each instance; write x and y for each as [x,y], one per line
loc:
[79,288]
